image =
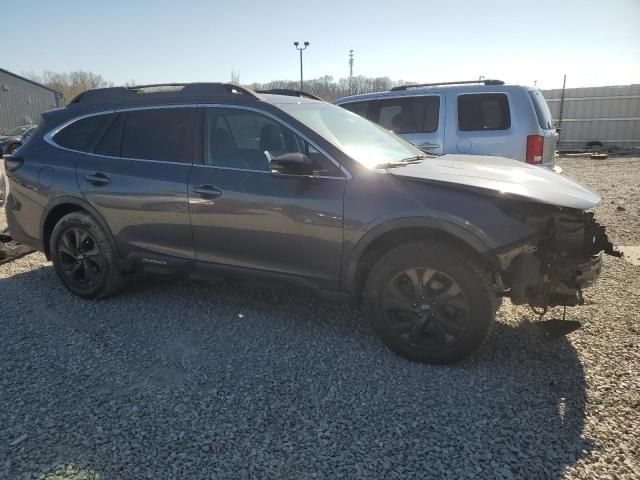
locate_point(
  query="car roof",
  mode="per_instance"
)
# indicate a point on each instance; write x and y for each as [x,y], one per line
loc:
[180,94]
[429,90]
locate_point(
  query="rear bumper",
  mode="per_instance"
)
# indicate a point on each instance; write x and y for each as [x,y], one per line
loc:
[23,220]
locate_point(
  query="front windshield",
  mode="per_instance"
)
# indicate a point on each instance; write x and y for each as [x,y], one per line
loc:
[364,141]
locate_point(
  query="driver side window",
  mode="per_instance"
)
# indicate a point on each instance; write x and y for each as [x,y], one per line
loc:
[247,140]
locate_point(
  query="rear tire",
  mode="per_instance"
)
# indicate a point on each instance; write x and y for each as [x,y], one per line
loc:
[430,303]
[84,258]
[12,149]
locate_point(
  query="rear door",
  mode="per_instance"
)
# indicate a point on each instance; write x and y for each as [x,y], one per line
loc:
[136,177]
[244,216]
[483,125]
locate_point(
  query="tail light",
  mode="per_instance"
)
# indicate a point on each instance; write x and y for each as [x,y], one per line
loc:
[534,149]
[11,164]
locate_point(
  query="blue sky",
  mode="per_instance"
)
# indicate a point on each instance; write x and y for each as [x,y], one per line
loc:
[593,42]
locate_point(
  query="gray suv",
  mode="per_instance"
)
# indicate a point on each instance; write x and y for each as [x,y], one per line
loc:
[213,179]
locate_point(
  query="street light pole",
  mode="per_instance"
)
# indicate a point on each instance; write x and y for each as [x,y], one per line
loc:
[300,49]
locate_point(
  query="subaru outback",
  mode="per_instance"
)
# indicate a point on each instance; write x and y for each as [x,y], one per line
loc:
[211,179]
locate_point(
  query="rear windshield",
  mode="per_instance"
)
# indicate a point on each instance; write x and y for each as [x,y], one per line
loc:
[542,110]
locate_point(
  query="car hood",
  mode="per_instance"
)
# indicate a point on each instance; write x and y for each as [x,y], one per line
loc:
[502,176]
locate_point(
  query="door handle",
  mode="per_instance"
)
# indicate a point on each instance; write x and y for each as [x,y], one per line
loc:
[207,191]
[97,178]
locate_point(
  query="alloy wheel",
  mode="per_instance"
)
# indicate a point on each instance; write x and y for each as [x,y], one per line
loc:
[80,257]
[426,308]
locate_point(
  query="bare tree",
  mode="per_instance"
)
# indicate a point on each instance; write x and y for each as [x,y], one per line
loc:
[329,89]
[70,84]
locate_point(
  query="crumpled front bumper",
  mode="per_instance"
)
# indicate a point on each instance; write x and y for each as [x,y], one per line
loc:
[554,271]
[588,272]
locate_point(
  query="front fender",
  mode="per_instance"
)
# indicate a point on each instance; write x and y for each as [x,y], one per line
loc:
[457,227]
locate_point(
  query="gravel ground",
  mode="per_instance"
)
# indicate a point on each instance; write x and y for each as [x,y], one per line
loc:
[177,379]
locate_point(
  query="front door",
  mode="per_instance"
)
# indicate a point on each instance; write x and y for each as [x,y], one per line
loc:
[136,178]
[244,216]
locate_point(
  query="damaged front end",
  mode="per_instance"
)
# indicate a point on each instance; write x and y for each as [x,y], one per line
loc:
[553,268]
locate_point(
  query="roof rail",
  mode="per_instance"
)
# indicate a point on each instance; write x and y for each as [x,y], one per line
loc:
[463,82]
[290,93]
[120,93]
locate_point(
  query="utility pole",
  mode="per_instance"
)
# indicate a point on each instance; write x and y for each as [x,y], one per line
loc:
[559,129]
[300,49]
[350,72]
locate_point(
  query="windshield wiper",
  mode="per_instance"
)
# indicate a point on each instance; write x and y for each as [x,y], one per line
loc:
[414,159]
[403,162]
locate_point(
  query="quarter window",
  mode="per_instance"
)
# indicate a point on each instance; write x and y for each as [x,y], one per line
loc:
[164,134]
[483,111]
[542,110]
[82,134]
[248,140]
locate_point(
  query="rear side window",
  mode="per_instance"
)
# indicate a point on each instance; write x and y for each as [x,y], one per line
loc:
[164,134]
[542,110]
[359,108]
[483,111]
[82,134]
[407,115]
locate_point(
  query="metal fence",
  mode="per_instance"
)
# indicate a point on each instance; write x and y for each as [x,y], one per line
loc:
[22,101]
[610,115]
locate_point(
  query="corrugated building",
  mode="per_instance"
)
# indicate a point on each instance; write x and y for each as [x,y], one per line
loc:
[610,115]
[22,100]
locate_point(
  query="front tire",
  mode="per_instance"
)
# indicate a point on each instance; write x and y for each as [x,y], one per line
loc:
[83,257]
[430,303]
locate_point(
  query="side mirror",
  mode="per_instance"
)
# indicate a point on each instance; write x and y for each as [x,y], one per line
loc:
[292,164]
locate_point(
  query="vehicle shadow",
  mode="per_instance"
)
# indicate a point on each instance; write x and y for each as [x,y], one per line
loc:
[187,379]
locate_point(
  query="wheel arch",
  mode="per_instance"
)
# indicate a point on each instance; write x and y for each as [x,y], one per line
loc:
[63,206]
[380,239]
[14,146]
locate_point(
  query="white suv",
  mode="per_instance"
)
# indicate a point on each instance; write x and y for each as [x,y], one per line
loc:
[477,117]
